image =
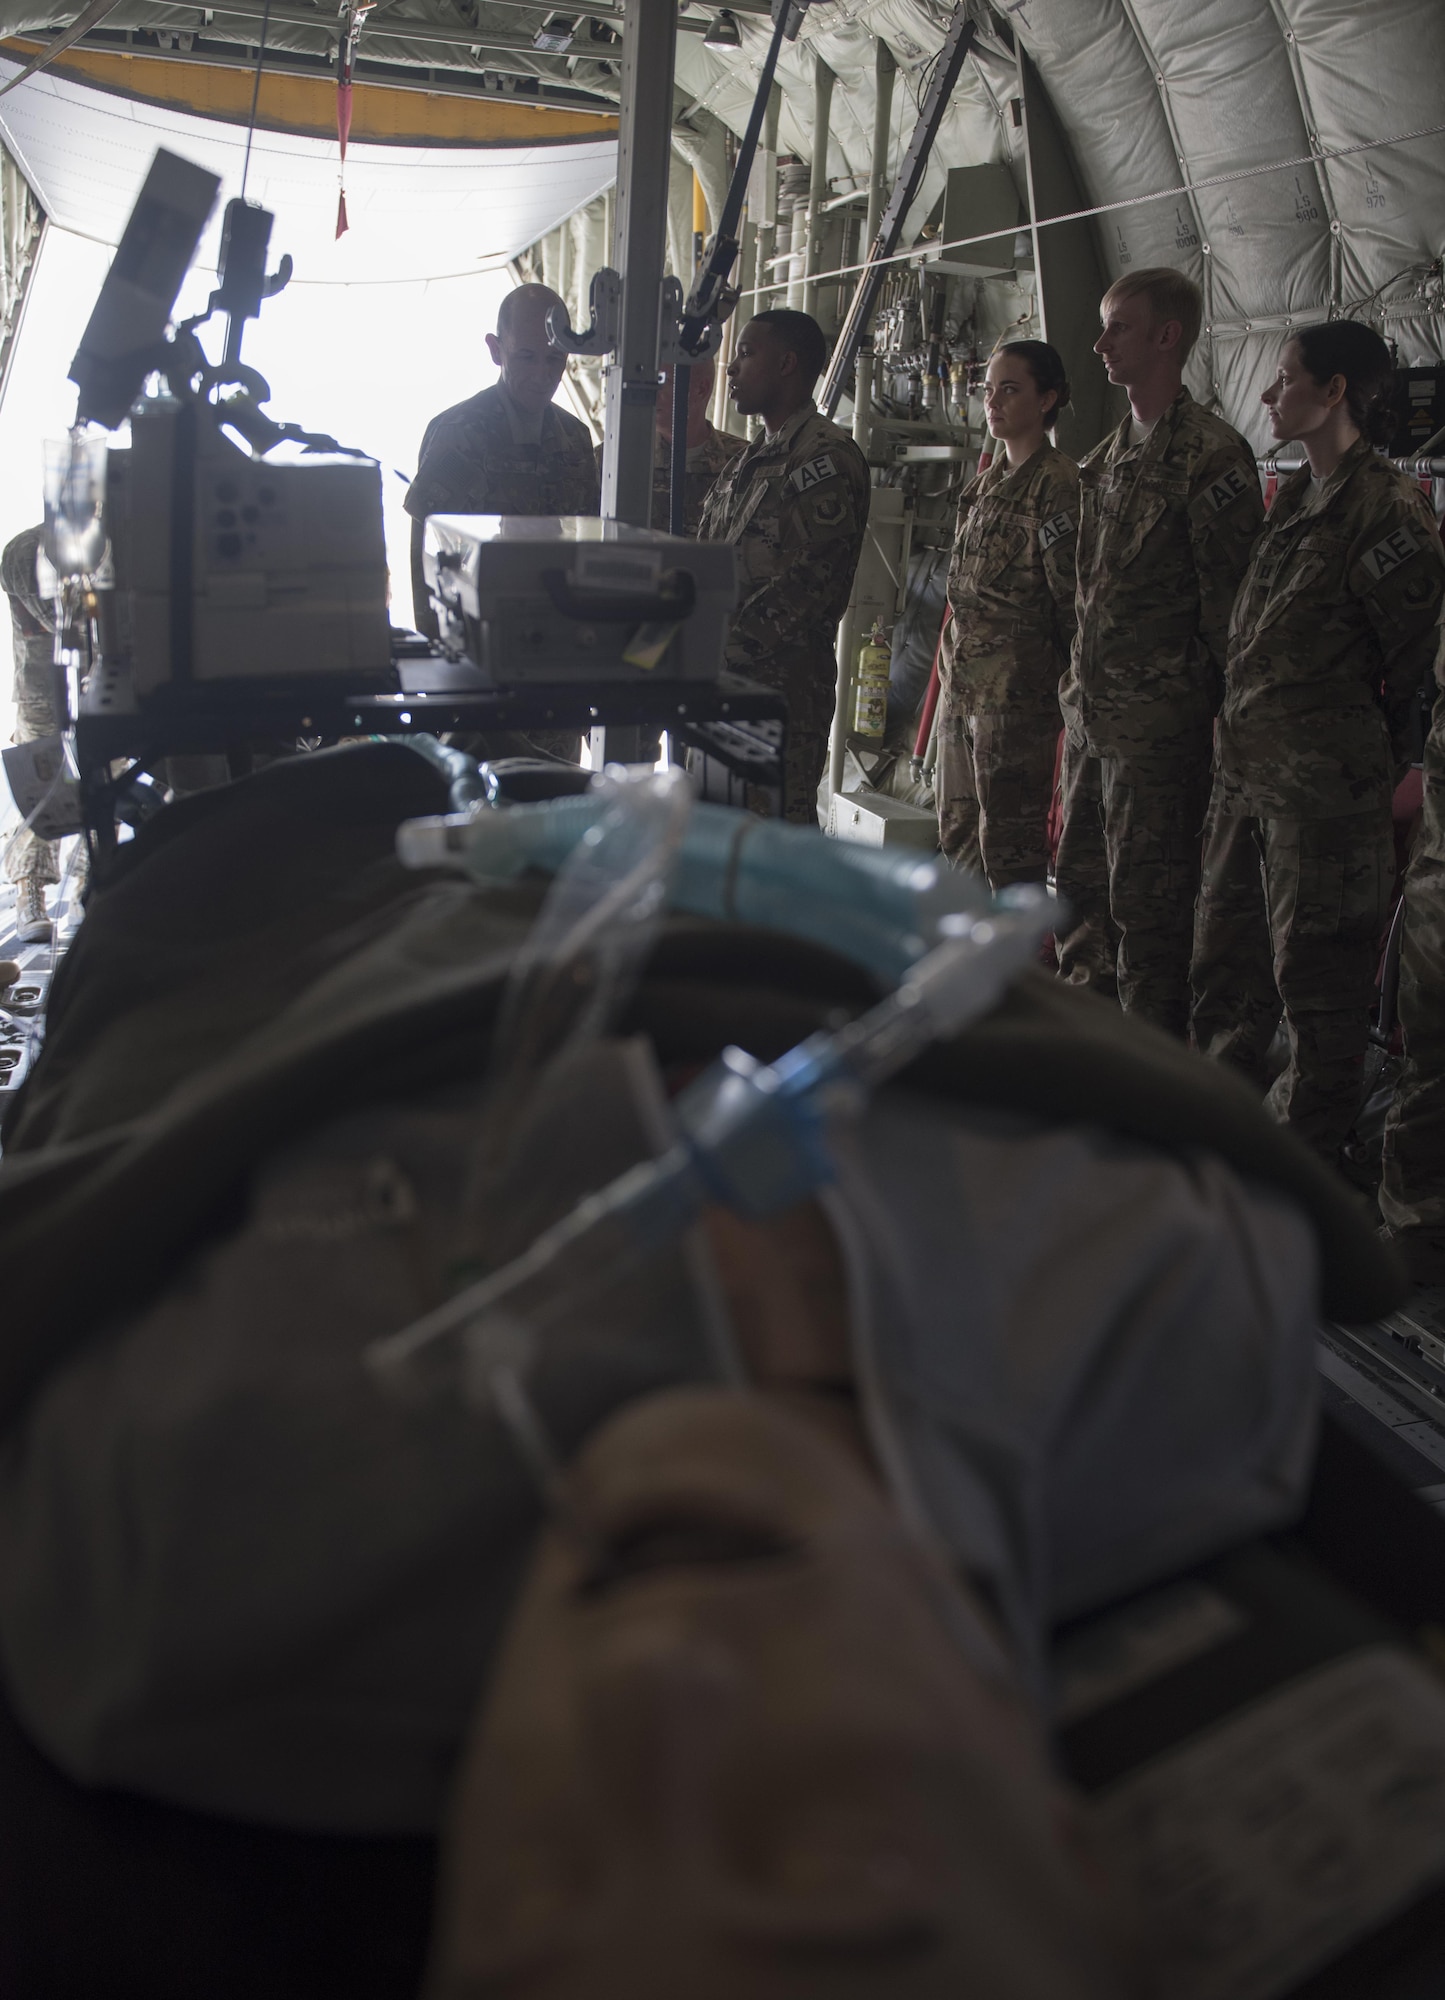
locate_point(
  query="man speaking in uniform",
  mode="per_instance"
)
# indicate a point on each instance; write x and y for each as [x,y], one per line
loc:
[1169,507]
[794,504]
[509,450]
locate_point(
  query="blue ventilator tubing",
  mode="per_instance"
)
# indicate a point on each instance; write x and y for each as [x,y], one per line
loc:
[879,910]
[750,1136]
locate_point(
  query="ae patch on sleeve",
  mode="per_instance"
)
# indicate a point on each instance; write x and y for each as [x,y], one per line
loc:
[1396,548]
[1054,531]
[1222,492]
[813,473]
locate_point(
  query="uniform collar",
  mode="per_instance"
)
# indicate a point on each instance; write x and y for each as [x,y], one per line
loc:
[526,428]
[1165,428]
[783,439]
[1001,470]
[1348,466]
[662,447]
[1298,484]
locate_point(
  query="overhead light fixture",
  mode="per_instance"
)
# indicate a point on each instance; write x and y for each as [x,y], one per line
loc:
[555,34]
[722,32]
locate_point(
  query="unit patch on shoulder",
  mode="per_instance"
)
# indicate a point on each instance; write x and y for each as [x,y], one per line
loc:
[1231,485]
[828,510]
[1396,548]
[813,473]
[1054,531]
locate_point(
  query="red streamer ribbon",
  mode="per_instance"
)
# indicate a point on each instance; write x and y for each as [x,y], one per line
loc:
[343,133]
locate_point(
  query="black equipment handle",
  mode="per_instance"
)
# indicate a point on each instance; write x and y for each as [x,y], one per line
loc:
[674,598]
[710,284]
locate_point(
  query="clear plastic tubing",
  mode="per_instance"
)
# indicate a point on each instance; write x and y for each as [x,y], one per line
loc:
[878,909]
[752,1136]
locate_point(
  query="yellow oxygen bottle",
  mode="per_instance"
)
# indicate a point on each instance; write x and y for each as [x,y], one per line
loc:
[870,696]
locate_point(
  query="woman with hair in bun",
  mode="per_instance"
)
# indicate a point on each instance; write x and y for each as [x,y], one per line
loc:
[1333,633]
[1011,593]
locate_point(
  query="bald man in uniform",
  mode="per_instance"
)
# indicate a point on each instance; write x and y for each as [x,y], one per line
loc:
[509,450]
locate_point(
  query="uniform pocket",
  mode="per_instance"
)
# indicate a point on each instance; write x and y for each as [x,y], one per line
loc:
[1127,533]
[1343,874]
[1293,586]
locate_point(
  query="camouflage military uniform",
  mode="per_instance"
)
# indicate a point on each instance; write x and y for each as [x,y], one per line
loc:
[1334,631]
[470,463]
[1165,531]
[1412,1194]
[33,624]
[705,460]
[1011,589]
[795,506]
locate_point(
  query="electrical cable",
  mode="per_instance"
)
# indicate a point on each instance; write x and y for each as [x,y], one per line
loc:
[255,96]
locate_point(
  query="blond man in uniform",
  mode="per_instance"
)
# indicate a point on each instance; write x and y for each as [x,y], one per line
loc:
[708,450]
[1169,507]
[794,504]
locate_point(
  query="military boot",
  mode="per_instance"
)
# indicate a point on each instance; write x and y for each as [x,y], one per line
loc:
[32,921]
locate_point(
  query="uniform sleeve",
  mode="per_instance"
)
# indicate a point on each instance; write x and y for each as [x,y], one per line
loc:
[1226,513]
[589,476]
[423,496]
[1059,543]
[1397,569]
[709,526]
[966,501]
[820,536]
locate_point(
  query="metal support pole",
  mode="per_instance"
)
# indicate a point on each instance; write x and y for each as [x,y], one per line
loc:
[848,631]
[1029,179]
[644,156]
[884,71]
[823,81]
[767,183]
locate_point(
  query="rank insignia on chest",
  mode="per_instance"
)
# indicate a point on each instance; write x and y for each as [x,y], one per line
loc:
[1227,488]
[1390,553]
[812,474]
[1054,531]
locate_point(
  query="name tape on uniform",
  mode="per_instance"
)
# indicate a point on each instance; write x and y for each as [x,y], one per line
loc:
[813,473]
[1226,489]
[1054,531]
[1396,548]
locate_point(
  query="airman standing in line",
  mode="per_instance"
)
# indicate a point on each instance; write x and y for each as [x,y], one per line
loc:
[1169,509]
[509,450]
[32,864]
[1412,1191]
[794,504]
[1334,631]
[1011,591]
[708,450]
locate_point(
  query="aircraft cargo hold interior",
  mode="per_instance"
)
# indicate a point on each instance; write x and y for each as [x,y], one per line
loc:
[722,1000]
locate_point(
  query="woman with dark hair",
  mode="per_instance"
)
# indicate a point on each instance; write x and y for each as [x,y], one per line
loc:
[1333,633]
[1011,593]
